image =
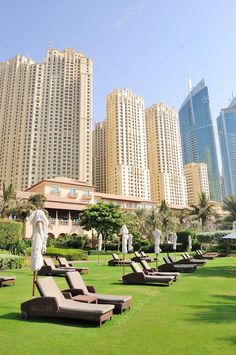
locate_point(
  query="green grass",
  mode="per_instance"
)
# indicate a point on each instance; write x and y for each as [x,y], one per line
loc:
[196,315]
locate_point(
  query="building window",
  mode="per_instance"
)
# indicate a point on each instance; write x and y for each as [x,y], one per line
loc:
[55,189]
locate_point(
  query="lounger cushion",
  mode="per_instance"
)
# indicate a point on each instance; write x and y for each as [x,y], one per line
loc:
[112,298]
[6,278]
[76,281]
[158,278]
[70,305]
[48,288]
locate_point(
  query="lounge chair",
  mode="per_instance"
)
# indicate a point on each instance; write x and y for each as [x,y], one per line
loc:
[116,261]
[154,271]
[144,255]
[169,266]
[140,278]
[187,257]
[49,269]
[138,257]
[200,255]
[7,280]
[52,303]
[63,263]
[78,287]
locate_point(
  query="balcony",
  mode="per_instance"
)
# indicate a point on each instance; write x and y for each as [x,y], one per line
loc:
[72,194]
[87,195]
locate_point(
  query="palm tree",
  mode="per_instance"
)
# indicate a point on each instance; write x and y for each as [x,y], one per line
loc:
[204,210]
[141,213]
[166,219]
[230,206]
[182,217]
[153,220]
[22,209]
[8,198]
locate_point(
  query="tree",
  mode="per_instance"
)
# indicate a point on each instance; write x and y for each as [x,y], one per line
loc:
[105,218]
[7,201]
[183,218]
[153,220]
[23,208]
[204,210]
[141,213]
[166,222]
[230,206]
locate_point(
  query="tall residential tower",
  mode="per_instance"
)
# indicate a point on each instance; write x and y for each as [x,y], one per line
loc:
[226,123]
[99,157]
[127,169]
[45,118]
[197,135]
[164,156]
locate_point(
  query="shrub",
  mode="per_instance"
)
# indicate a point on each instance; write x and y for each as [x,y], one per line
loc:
[70,254]
[70,241]
[8,261]
[182,239]
[10,232]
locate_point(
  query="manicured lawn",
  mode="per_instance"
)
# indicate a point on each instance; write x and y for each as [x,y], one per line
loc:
[197,315]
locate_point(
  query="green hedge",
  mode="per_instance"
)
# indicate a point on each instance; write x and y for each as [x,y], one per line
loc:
[10,232]
[70,254]
[8,261]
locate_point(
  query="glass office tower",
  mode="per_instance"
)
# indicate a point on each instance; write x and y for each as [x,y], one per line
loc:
[226,124]
[197,135]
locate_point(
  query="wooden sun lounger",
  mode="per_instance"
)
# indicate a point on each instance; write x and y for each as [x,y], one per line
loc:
[7,280]
[208,256]
[63,263]
[52,303]
[139,277]
[49,269]
[169,266]
[192,260]
[138,257]
[153,271]
[77,287]
[116,261]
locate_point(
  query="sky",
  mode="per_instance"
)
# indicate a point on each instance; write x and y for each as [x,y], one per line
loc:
[149,46]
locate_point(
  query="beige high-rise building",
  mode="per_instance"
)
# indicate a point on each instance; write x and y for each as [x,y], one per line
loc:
[196,181]
[165,156]
[127,170]
[46,118]
[99,157]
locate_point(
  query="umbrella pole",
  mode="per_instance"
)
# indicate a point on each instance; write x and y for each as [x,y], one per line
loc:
[123,264]
[156,261]
[98,257]
[35,276]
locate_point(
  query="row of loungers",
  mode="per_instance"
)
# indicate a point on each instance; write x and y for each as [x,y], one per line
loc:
[50,269]
[116,261]
[164,274]
[7,280]
[78,301]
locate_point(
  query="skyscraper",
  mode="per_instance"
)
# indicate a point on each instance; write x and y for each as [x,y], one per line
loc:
[45,118]
[164,156]
[127,170]
[197,135]
[99,157]
[226,123]
[196,181]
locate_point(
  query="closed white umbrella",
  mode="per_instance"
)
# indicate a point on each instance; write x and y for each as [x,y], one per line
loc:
[39,223]
[157,238]
[130,243]
[174,241]
[99,245]
[100,242]
[189,243]
[125,235]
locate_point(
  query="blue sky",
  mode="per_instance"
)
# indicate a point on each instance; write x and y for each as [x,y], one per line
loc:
[149,46]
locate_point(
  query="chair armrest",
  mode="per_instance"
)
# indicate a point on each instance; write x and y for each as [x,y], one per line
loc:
[61,265]
[67,295]
[91,289]
[70,264]
[74,291]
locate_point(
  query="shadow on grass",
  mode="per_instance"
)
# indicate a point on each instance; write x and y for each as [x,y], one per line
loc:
[221,312]
[216,271]
[59,321]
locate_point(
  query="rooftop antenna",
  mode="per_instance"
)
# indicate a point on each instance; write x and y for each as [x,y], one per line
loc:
[190,84]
